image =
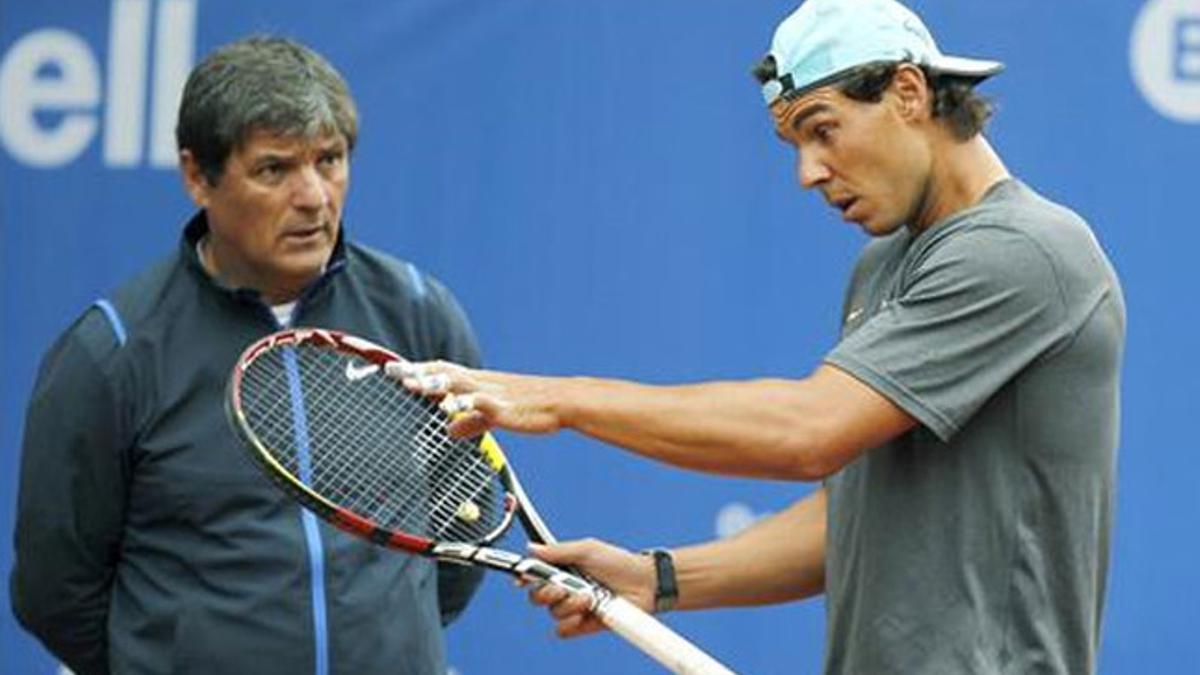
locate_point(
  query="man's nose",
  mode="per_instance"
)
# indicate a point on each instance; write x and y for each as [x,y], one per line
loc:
[811,170]
[309,190]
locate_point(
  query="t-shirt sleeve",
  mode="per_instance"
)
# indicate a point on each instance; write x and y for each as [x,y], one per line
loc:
[976,309]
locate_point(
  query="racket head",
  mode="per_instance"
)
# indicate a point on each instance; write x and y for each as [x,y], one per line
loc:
[316,412]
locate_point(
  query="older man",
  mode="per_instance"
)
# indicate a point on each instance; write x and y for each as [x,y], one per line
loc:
[145,542]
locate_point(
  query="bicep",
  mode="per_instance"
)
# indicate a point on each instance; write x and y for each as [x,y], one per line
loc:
[849,417]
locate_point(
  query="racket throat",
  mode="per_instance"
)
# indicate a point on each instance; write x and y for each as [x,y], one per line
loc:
[510,509]
[519,566]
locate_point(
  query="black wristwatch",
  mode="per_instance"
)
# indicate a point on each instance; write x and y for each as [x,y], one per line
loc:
[666,591]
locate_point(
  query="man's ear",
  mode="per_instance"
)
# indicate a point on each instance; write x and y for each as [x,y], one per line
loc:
[912,93]
[194,180]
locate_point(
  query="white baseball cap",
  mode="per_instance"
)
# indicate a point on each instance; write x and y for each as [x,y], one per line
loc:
[824,39]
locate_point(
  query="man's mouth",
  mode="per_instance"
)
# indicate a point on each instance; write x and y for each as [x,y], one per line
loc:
[844,205]
[304,232]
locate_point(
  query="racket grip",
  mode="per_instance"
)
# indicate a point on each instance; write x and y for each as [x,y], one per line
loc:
[656,639]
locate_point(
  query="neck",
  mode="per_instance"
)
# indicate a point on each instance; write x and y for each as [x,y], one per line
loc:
[961,174]
[222,268]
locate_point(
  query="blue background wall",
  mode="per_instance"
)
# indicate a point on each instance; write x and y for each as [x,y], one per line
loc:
[599,183]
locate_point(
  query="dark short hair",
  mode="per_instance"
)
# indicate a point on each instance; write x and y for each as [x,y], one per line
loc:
[955,101]
[260,83]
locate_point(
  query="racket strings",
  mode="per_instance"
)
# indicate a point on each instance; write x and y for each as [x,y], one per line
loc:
[368,445]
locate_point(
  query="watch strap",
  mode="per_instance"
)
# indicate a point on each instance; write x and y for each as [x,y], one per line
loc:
[666,590]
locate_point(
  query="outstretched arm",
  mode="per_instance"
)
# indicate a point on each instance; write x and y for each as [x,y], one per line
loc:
[792,429]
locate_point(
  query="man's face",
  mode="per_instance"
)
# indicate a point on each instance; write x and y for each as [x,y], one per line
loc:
[869,160]
[275,211]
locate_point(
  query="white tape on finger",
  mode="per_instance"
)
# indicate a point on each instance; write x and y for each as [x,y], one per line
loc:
[437,383]
[456,405]
[399,369]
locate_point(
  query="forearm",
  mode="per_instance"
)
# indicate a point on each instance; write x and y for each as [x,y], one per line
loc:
[68,616]
[61,581]
[790,429]
[780,558]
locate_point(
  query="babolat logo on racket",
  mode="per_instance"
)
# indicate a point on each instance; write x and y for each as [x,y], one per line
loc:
[354,373]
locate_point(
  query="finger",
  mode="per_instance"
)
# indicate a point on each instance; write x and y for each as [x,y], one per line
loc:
[572,605]
[399,369]
[434,378]
[577,626]
[472,413]
[547,595]
[468,424]
[564,553]
[432,384]
[456,405]
[590,625]
[569,627]
[408,371]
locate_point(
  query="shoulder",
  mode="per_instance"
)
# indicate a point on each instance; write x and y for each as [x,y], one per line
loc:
[985,261]
[1015,210]
[1020,236]
[413,303]
[104,344]
[1018,256]
[94,335]
[104,326]
[397,280]
[146,297]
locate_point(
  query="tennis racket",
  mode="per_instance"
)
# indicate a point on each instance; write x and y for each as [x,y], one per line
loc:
[317,413]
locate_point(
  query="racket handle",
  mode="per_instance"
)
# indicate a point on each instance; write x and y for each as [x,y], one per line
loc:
[656,639]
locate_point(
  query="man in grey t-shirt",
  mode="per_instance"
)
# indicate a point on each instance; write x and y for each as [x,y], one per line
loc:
[978,541]
[964,428]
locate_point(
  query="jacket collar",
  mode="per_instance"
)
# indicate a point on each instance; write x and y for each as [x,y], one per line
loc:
[197,228]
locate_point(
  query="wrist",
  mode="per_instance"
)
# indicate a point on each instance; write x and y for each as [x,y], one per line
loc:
[567,402]
[666,586]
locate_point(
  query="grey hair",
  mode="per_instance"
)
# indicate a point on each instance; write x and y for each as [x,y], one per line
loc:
[260,83]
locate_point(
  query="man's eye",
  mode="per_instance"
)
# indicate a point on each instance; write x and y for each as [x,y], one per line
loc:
[331,159]
[823,132]
[270,170]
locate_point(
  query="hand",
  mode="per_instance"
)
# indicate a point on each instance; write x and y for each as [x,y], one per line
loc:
[479,400]
[629,575]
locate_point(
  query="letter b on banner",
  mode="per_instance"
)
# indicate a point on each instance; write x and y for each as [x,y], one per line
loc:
[1165,57]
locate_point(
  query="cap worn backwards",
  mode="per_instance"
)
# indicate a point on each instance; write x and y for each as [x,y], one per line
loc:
[824,39]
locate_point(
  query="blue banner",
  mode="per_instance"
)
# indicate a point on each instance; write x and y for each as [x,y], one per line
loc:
[600,185]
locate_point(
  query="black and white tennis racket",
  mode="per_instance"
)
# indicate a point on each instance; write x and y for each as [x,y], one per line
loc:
[318,414]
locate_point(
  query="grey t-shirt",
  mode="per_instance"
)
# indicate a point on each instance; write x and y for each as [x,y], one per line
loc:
[979,541]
